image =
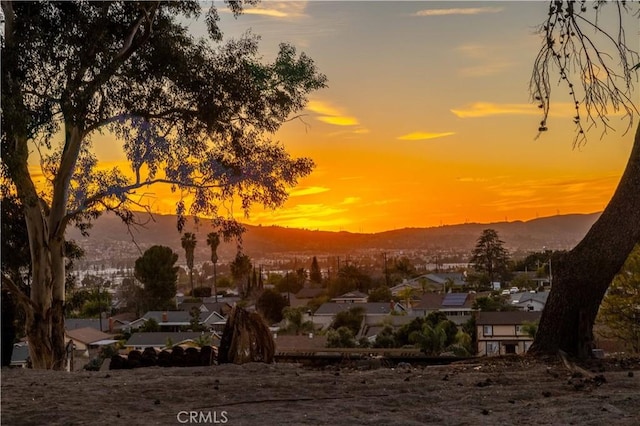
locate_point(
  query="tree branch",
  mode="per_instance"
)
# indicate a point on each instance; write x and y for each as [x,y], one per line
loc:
[9,285]
[98,197]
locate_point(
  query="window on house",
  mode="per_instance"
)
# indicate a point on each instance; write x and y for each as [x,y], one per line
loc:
[519,330]
[493,348]
[487,330]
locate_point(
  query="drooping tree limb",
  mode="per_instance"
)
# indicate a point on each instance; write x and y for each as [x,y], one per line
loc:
[577,56]
[23,299]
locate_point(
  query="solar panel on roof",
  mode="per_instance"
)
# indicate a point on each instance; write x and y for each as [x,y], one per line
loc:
[454,299]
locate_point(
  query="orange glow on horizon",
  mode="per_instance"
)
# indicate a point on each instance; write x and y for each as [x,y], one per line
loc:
[411,133]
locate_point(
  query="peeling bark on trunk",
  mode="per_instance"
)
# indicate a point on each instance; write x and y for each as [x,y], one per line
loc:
[582,276]
[45,314]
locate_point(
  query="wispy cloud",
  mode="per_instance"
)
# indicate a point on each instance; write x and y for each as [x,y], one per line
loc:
[421,136]
[336,116]
[267,12]
[307,216]
[339,120]
[458,11]
[350,200]
[276,9]
[487,109]
[311,190]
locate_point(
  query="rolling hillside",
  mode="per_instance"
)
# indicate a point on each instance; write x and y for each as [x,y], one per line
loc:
[109,237]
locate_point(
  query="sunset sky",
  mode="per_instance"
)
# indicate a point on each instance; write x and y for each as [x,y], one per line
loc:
[426,119]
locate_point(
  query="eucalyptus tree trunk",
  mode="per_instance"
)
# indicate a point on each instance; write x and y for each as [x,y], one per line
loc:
[46,227]
[583,275]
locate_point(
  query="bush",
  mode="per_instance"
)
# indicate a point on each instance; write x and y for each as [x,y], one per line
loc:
[94,364]
[340,338]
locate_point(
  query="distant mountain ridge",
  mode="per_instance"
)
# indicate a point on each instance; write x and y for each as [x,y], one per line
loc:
[109,235]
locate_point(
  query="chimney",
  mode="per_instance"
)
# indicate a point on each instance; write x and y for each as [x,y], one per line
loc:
[110,325]
[165,316]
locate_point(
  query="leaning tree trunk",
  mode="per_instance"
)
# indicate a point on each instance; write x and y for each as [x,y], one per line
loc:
[583,275]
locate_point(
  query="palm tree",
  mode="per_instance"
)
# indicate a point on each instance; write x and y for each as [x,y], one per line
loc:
[406,294]
[213,241]
[189,245]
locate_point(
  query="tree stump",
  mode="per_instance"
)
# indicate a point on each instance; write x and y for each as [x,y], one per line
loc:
[246,338]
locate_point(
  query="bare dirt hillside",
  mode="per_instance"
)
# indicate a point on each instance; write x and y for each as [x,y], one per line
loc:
[503,391]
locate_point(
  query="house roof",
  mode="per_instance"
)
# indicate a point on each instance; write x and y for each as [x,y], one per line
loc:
[309,293]
[450,303]
[430,301]
[231,300]
[506,318]
[160,339]
[219,307]
[352,295]
[442,277]
[331,308]
[174,317]
[87,335]
[527,296]
[75,323]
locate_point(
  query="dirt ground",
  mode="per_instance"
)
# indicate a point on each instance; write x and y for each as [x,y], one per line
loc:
[499,391]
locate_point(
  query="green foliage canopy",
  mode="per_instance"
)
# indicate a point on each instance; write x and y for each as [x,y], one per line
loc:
[156,270]
[489,255]
[620,309]
[351,319]
[271,304]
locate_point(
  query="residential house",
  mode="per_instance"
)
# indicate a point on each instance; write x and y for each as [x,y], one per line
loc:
[177,320]
[528,301]
[351,297]
[373,328]
[445,281]
[231,300]
[160,340]
[458,307]
[310,292]
[502,333]
[429,302]
[303,297]
[88,340]
[100,324]
[374,313]
[223,308]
